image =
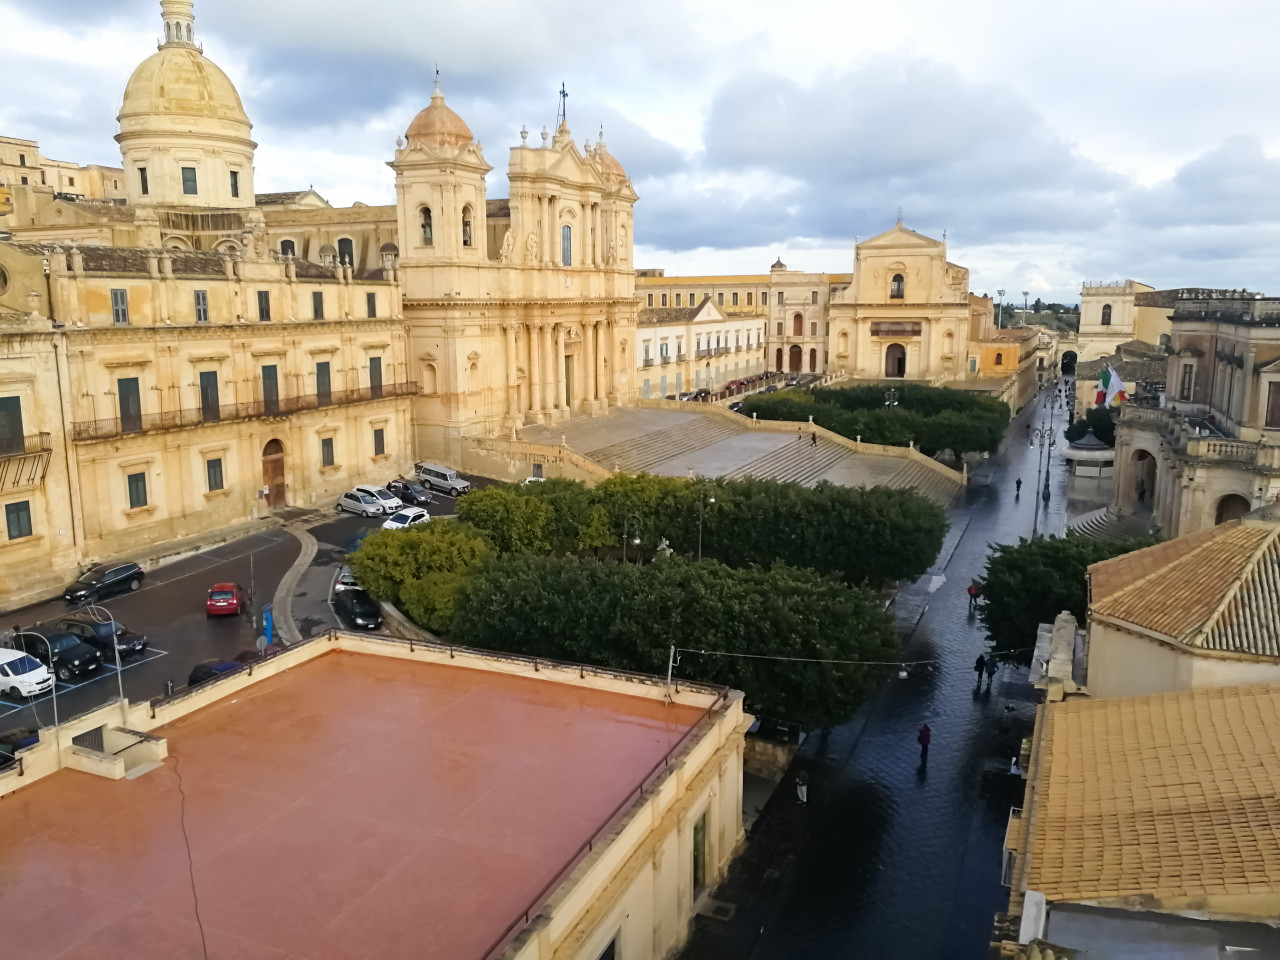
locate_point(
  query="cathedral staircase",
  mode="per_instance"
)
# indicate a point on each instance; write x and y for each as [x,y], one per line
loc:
[1102,524]
[650,449]
[929,483]
[794,462]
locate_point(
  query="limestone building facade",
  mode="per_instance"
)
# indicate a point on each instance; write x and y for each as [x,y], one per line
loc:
[689,348]
[1114,313]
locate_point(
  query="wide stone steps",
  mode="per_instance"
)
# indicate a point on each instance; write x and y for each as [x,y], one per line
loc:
[794,462]
[650,449]
[1102,524]
[926,481]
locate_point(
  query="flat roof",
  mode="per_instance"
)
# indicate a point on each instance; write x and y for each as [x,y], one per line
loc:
[354,806]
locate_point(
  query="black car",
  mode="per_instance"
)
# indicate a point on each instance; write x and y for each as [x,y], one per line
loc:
[104,580]
[108,636]
[359,608]
[410,492]
[207,670]
[64,653]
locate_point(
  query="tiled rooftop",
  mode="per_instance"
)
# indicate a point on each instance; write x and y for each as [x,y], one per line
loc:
[1218,589]
[1171,795]
[355,806]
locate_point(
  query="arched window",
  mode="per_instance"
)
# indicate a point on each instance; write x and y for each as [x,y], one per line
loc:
[566,245]
[427,237]
[797,325]
[813,361]
[288,248]
[999,359]
[898,288]
[1106,314]
[346,251]
[466,226]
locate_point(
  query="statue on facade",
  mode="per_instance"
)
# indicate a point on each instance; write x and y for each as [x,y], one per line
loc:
[531,248]
[508,242]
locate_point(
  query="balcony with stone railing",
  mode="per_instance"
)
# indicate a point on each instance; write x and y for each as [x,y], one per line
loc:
[24,460]
[1189,432]
[89,430]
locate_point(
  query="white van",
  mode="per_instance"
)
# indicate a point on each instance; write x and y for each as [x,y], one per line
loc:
[441,478]
[23,674]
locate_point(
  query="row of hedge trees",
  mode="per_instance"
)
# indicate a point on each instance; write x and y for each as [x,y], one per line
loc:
[933,418]
[865,535]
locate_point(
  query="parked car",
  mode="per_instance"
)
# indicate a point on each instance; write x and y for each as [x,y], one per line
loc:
[688,395]
[363,504]
[108,636]
[359,608]
[441,478]
[699,394]
[22,674]
[410,492]
[736,406]
[771,388]
[793,381]
[224,598]
[207,670]
[63,653]
[390,502]
[408,517]
[528,480]
[104,580]
[346,580]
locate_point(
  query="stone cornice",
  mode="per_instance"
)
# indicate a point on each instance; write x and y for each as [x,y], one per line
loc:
[235,331]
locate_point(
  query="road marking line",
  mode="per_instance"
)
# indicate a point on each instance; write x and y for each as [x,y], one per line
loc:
[158,653]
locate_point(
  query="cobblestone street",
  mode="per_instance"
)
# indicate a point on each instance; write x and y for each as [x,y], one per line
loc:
[892,857]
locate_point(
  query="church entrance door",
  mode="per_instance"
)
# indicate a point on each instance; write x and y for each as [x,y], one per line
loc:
[273,473]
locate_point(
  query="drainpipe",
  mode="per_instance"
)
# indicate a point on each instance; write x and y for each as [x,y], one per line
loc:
[73,479]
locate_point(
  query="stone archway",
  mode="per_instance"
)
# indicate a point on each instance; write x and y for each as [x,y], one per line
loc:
[778,365]
[1143,471]
[1231,507]
[813,360]
[895,360]
[795,359]
[1068,364]
[273,473]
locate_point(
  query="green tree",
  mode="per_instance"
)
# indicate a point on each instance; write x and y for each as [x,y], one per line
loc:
[961,433]
[510,518]
[1032,581]
[626,616]
[1098,419]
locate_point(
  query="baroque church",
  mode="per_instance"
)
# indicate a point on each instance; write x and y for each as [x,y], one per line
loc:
[193,354]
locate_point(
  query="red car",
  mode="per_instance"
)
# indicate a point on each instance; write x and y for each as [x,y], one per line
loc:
[224,598]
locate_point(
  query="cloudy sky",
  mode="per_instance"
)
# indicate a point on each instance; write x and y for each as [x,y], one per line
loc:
[1055,143]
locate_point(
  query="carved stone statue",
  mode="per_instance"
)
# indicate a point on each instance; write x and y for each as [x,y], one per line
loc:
[509,241]
[531,248]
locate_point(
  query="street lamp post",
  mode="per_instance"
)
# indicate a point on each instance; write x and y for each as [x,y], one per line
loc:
[891,398]
[1025,308]
[702,504]
[1000,309]
[627,520]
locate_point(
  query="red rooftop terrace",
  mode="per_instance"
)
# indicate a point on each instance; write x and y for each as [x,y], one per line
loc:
[360,798]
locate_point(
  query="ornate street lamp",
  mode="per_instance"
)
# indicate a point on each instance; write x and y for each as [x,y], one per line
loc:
[891,398]
[635,537]
[702,505]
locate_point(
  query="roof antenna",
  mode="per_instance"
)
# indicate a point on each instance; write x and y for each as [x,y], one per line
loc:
[562,117]
[437,78]
[899,216]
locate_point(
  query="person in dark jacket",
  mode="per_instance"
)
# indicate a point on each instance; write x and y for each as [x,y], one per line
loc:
[923,738]
[979,665]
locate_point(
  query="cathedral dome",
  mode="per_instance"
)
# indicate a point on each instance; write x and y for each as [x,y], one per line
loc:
[438,126]
[610,169]
[178,81]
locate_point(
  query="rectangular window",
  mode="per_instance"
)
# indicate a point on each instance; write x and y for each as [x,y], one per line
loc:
[700,855]
[264,305]
[664,299]
[324,390]
[375,377]
[235,183]
[142,181]
[137,490]
[209,409]
[379,441]
[1273,405]
[202,306]
[813,296]
[782,298]
[779,328]
[646,390]
[24,180]
[317,304]
[719,299]
[22,159]
[827,331]
[120,307]
[1188,374]
[749,299]
[371,305]
[130,405]
[213,474]
[326,452]
[270,390]
[650,300]
[813,329]
[693,300]
[71,181]
[189,181]
[17,517]
[11,426]
[735,299]
[677,299]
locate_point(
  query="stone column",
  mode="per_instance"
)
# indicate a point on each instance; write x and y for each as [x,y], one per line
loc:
[589,360]
[611,375]
[561,402]
[1246,388]
[548,370]
[553,253]
[513,387]
[535,369]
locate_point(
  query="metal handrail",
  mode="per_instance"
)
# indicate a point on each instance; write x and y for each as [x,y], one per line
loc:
[31,443]
[191,417]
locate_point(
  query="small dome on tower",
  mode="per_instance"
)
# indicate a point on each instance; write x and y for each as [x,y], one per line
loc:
[610,169]
[438,126]
[778,265]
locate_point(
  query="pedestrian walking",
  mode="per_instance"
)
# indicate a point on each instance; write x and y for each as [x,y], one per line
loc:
[802,787]
[813,439]
[974,592]
[800,434]
[1017,485]
[992,666]
[1142,491]
[979,665]
[923,738]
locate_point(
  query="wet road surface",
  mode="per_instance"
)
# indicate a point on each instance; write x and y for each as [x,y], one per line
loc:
[892,857]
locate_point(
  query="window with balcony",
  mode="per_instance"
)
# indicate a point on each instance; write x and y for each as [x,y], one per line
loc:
[375,377]
[213,474]
[17,518]
[270,390]
[324,386]
[209,408]
[202,306]
[264,305]
[317,304]
[379,442]
[897,287]
[189,181]
[130,400]
[120,307]
[326,451]
[137,485]
[11,441]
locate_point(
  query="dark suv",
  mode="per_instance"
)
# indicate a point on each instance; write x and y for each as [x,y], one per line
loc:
[63,653]
[410,492]
[108,636]
[104,580]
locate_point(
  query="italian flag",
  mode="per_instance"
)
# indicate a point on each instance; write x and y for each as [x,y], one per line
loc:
[1110,389]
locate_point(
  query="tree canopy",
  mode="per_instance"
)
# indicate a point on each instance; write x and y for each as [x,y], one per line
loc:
[1098,419]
